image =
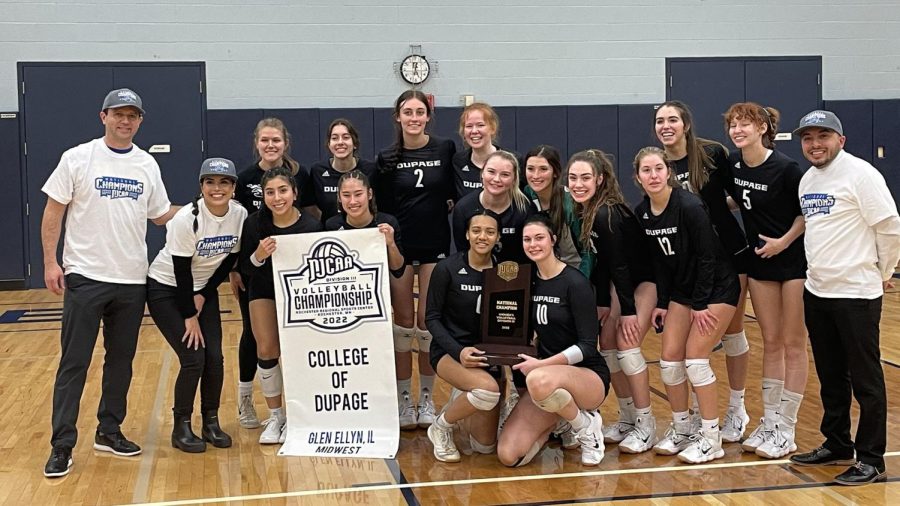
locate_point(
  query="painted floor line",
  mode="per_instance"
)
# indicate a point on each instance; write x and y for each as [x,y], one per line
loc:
[479,481]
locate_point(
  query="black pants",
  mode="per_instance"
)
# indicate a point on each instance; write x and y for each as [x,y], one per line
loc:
[203,365]
[845,342]
[247,345]
[85,304]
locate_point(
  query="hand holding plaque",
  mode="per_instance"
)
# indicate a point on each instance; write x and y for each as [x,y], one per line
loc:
[505,313]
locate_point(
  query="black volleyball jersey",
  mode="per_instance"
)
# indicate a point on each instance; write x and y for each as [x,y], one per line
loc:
[621,256]
[714,194]
[248,192]
[252,235]
[688,258]
[454,304]
[511,222]
[339,222]
[322,189]
[768,196]
[416,192]
[467,175]
[563,314]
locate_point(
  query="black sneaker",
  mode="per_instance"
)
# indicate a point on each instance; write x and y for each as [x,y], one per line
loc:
[860,474]
[59,463]
[821,456]
[115,443]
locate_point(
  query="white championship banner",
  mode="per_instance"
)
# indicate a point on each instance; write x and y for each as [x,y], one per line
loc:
[337,349]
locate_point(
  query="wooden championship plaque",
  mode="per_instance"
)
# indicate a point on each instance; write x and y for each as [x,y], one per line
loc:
[505,313]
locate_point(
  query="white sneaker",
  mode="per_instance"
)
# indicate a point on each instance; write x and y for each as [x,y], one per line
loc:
[617,432]
[591,439]
[511,400]
[704,446]
[760,434]
[735,424]
[444,447]
[247,413]
[642,438]
[408,419]
[425,411]
[273,431]
[696,422]
[566,434]
[780,444]
[675,440]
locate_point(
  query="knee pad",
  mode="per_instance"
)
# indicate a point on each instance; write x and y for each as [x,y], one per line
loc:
[483,400]
[424,338]
[632,361]
[270,380]
[673,373]
[525,459]
[612,360]
[735,344]
[555,401]
[403,338]
[481,448]
[699,372]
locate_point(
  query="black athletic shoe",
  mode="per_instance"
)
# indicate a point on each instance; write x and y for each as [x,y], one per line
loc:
[861,474]
[821,456]
[115,443]
[59,463]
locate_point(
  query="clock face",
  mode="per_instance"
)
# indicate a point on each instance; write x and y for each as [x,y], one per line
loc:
[415,69]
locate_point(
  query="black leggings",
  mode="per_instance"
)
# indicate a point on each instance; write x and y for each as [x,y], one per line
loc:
[203,365]
[247,346]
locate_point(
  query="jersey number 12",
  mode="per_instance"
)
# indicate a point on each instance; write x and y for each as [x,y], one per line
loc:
[666,246]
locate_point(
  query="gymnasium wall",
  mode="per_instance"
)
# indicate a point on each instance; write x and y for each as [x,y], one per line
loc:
[312,54]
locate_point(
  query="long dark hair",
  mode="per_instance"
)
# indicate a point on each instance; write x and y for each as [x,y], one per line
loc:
[558,191]
[364,181]
[607,194]
[266,224]
[395,152]
[698,160]
[277,124]
[354,134]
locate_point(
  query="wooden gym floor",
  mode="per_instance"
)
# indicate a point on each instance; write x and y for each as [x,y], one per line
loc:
[252,474]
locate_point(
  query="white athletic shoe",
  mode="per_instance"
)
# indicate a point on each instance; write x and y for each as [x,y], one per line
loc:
[696,422]
[705,446]
[780,444]
[566,434]
[444,447]
[511,400]
[617,432]
[273,432]
[675,440]
[760,435]
[408,419]
[425,411]
[642,438]
[735,424]
[247,413]
[591,439]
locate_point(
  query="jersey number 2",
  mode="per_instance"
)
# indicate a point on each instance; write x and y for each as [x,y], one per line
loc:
[420,174]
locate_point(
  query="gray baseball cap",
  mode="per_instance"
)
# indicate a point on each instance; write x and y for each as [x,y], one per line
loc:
[123,97]
[820,119]
[218,167]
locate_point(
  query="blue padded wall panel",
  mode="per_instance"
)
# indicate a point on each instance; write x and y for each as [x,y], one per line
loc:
[230,134]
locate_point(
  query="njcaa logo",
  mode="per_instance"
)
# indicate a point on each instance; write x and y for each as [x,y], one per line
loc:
[119,188]
[816,203]
[332,291]
[213,246]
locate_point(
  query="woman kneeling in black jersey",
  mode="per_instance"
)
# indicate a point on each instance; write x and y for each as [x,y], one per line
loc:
[698,291]
[568,378]
[454,297]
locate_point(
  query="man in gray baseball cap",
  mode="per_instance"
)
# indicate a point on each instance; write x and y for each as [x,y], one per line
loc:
[123,97]
[852,244]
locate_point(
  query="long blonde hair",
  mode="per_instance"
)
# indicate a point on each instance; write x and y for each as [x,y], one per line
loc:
[519,200]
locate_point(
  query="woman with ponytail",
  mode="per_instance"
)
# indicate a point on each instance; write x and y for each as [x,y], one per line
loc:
[765,185]
[279,216]
[202,242]
[414,183]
